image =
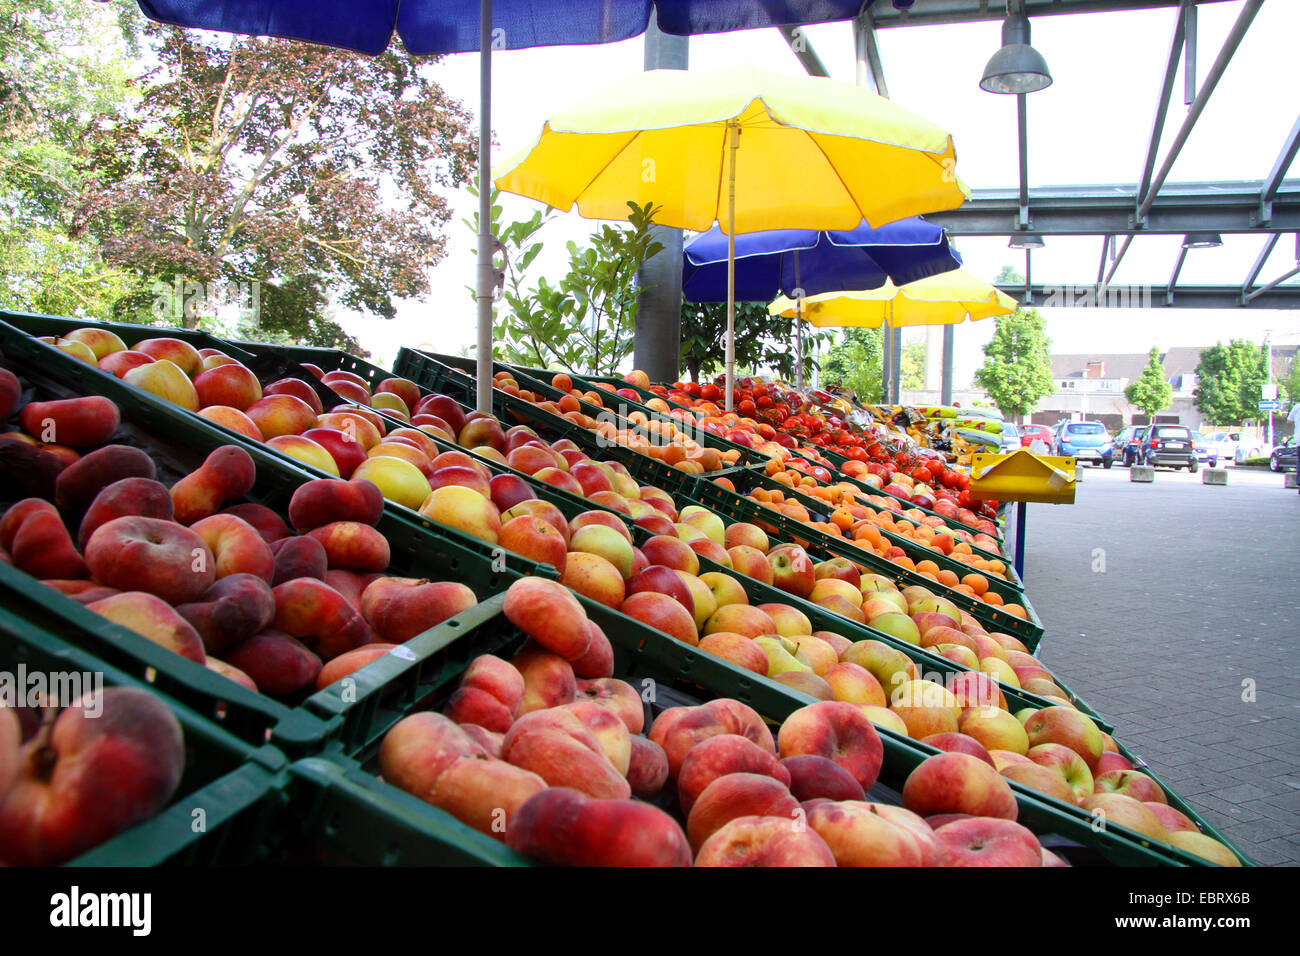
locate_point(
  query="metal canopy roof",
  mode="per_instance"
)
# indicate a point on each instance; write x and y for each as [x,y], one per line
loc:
[1117,212]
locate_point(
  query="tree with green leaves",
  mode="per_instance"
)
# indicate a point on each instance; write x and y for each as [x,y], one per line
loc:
[1228,380]
[315,172]
[763,341]
[1150,392]
[1017,369]
[855,363]
[911,366]
[63,73]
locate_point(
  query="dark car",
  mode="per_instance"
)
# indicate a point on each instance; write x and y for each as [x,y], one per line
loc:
[1084,441]
[1284,456]
[1169,446]
[1125,443]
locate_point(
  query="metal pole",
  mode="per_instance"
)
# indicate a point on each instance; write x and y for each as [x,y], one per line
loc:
[1022,509]
[1269,342]
[486,280]
[733,144]
[886,354]
[949,336]
[896,365]
[798,323]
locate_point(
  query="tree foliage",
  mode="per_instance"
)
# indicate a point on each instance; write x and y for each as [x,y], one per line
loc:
[763,341]
[1017,369]
[586,321]
[911,366]
[1228,380]
[313,171]
[855,363]
[1150,392]
[62,74]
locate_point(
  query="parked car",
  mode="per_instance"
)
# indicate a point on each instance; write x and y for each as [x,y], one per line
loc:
[1251,447]
[1124,444]
[1010,437]
[1028,433]
[1284,456]
[1205,450]
[1085,441]
[1225,443]
[1170,446]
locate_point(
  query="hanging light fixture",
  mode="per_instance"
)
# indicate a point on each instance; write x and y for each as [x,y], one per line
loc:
[1026,240]
[1202,240]
[1017,67]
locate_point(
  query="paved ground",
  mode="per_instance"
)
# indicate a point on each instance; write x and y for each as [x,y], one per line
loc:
[1165,605]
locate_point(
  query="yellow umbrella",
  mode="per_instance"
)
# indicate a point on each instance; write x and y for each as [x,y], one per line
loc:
[944,299]
[748,149]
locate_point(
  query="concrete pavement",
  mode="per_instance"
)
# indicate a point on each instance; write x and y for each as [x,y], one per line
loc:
[1173,608]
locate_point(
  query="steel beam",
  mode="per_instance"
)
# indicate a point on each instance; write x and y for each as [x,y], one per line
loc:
[1189,54]
[1114,265]
[1230,207]
[1269,287]
[1258,267]
[1235,35]
[802,48]
[1173,279]
[1280,167]
[1101,266]
[1132,296]
[868,54]
[932,12]
[1162,106]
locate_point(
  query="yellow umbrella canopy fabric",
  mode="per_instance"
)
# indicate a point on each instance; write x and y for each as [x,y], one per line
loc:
[812,153]
[944,299]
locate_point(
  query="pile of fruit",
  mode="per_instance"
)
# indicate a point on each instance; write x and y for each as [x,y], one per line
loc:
[551,754]
[890,441]
[287,603]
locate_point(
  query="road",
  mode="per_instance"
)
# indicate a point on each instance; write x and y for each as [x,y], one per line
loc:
[1173,608]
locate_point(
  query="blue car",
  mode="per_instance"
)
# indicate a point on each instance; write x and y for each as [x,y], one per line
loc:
[1085,442]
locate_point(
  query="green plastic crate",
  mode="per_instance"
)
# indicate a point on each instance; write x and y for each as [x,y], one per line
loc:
[671,673]
[232,782]
[706,438]
[1011,590]
[178,442]
[436,377]
[343,815]
[36,324]
[839,460]
[735,506]
[1181,805]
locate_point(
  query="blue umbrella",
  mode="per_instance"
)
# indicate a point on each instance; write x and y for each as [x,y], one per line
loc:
[803,262]
[455,26]
[779,261]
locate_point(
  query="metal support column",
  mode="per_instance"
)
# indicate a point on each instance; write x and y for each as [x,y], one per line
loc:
[945,388]
[656,341]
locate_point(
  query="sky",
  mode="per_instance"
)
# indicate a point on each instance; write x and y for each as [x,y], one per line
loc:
[1090,126]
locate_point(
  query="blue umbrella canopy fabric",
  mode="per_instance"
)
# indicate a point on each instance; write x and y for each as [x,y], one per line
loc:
[780,261]
[452,26]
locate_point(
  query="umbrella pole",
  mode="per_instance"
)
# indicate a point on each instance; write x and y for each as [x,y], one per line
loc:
[798,323]
[486,280]
[733,144]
